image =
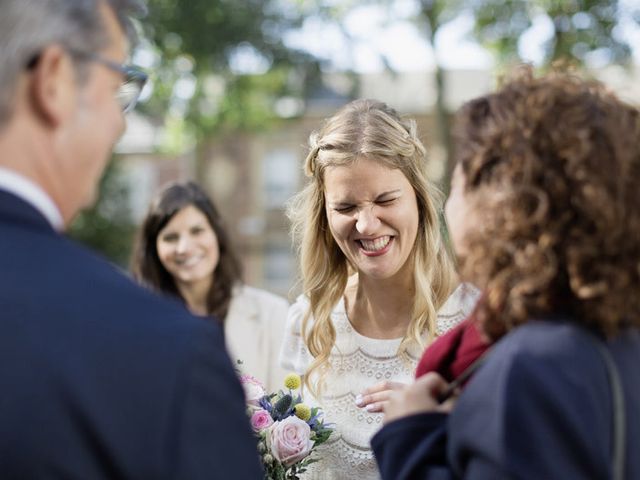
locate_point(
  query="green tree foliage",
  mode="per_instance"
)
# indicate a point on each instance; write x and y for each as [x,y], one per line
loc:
[581,29]
[198,42]
[208,29]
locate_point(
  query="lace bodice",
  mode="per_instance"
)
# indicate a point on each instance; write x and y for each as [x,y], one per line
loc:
[357,362]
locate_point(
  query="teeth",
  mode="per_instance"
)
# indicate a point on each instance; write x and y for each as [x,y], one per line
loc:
[188,262]
[375,245]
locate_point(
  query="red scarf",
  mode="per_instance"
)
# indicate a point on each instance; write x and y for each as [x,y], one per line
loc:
[452,353]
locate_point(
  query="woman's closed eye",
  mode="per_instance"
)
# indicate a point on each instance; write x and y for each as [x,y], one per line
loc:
[386,201]
[344,208]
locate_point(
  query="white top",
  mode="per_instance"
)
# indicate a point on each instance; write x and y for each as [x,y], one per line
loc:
[31,193]
[357,362]
[253,329]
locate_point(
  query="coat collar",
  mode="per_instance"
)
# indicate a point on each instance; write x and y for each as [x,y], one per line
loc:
[28,190]
[15,210]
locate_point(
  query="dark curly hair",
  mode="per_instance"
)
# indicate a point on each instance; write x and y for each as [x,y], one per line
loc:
[146,265]
[552,175]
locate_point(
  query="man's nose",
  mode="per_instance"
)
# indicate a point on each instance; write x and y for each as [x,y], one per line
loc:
[367,222]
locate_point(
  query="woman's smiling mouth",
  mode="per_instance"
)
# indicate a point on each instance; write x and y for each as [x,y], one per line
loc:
[376,246]
[188,262]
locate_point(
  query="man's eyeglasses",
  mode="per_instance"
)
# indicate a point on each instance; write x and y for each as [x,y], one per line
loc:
[134,78]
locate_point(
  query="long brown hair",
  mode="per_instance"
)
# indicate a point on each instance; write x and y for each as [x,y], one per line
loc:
[146,265]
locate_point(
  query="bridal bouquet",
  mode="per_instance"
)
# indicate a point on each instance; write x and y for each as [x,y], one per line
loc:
[288,430]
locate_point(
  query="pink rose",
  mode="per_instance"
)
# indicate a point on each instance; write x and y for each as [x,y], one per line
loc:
[253,389]
[289,440]
[260,420]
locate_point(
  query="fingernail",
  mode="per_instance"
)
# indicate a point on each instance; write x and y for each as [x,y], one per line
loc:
[359,400]
[369,407]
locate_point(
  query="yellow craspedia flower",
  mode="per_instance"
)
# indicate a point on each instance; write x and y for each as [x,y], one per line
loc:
[292,381]
[302,411]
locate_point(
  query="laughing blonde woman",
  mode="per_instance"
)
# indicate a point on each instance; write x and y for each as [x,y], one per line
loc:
[378,282]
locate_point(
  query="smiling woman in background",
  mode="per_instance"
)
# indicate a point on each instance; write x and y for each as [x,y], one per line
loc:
[183,250]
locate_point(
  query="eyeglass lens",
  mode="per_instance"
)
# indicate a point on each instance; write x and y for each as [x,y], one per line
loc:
[130,90]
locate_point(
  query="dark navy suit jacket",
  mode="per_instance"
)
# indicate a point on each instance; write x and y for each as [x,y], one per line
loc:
[100,379]
[539,408]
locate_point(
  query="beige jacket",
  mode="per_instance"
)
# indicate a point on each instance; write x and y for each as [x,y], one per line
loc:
[254,329]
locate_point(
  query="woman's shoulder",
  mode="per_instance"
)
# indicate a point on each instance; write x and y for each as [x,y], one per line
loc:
[549,375]
[457,307]
[553,348]
[294,355]
[549,339]
[301,302]
[295,316]
[462,299]
[297,310]
[302,305]
[255,308]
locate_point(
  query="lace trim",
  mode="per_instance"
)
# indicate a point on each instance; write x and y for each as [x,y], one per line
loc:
[347,356]
[459,313]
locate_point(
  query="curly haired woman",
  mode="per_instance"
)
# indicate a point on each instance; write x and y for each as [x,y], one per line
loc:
[545,218]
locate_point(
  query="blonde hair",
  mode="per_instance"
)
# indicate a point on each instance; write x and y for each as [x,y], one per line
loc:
[371,129]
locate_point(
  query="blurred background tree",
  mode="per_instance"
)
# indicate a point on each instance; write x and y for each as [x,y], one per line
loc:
[107,226]
[433,15]
[582,32]
[222,66]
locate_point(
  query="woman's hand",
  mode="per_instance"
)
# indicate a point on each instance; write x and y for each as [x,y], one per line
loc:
[375,397]
[419,397]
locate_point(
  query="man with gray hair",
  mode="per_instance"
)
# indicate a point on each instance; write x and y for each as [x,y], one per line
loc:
[99,378]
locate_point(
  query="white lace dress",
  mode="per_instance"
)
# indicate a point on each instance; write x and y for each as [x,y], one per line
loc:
[357,362]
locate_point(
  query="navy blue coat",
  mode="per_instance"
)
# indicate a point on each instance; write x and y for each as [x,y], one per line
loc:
[100,379]
[540,408]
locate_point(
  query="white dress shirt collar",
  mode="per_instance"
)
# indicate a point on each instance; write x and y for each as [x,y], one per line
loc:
[31,193]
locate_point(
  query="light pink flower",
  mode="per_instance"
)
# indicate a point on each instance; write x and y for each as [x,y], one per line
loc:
[253,389]
[260,420]
[289,440]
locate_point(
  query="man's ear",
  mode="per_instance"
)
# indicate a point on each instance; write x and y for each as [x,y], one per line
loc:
[53,87]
